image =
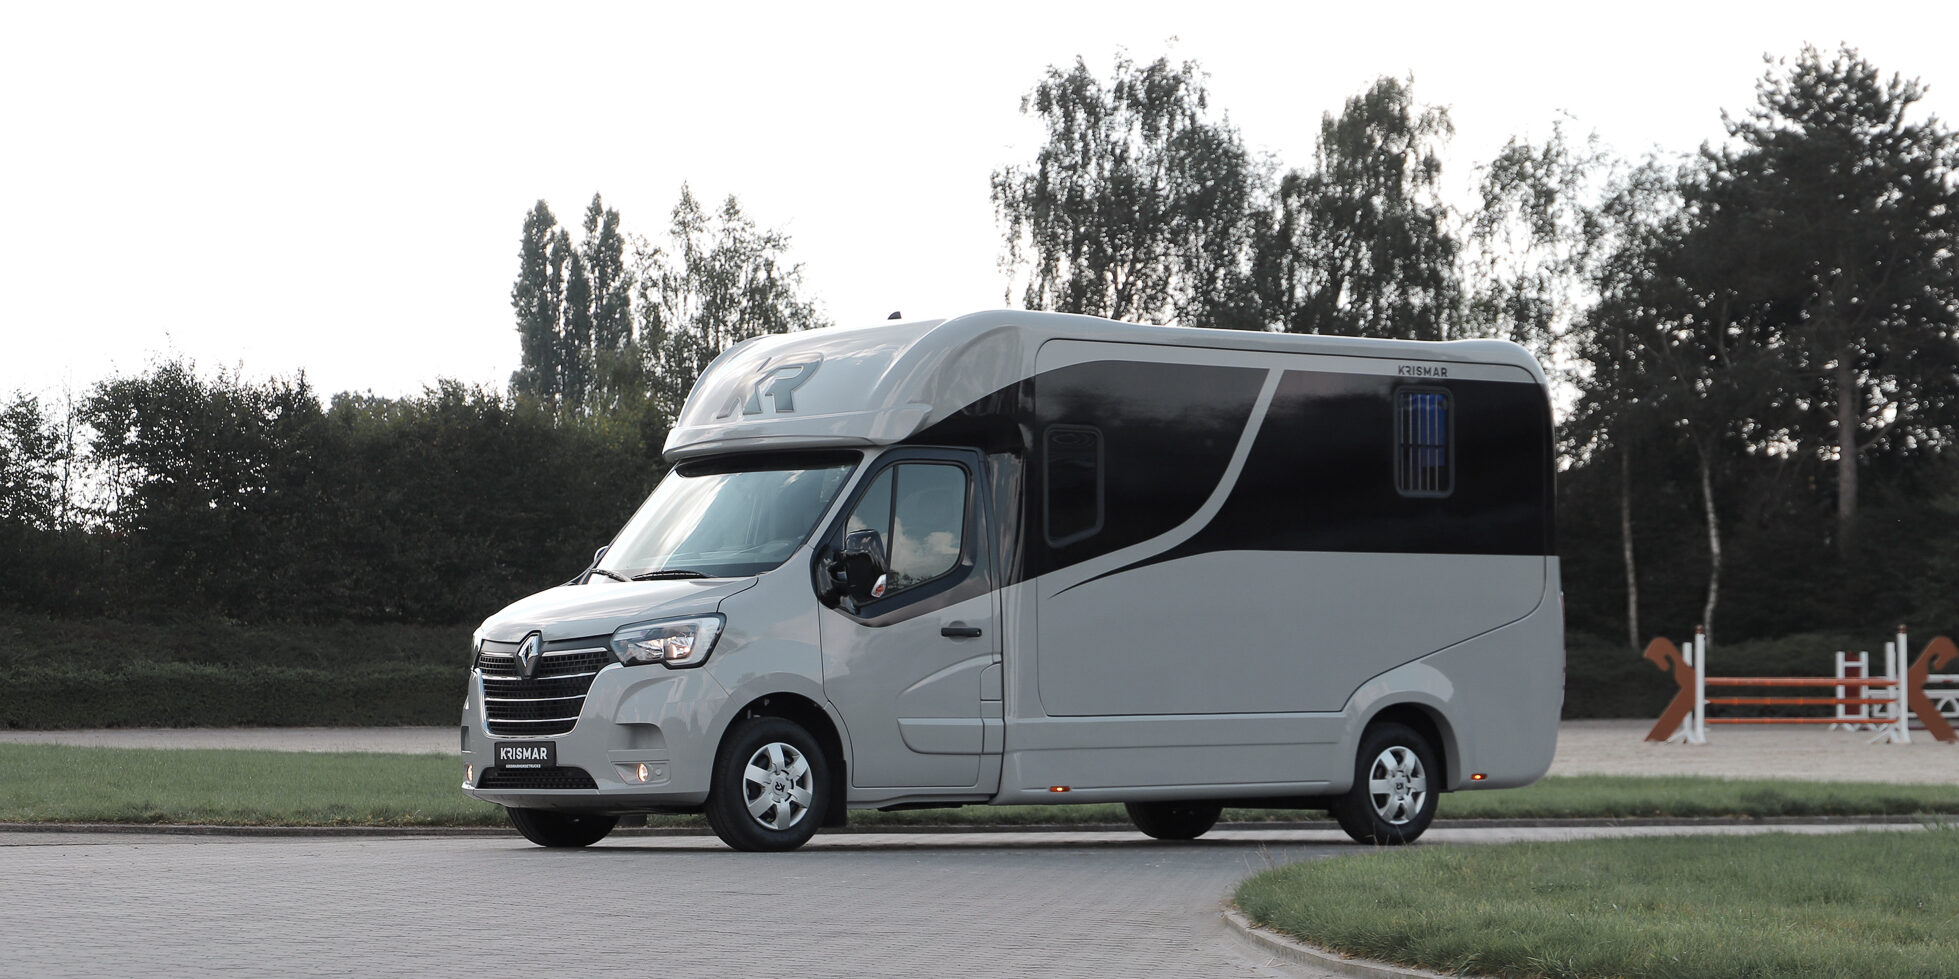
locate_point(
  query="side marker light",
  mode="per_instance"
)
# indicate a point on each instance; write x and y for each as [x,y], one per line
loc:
[1478,777]
[1057,788]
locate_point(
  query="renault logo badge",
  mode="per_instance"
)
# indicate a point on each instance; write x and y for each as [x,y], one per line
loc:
[528,653]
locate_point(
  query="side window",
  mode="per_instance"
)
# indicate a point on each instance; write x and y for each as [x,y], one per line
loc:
[874,510]
[1424,442]
[919,509]
[1073,475]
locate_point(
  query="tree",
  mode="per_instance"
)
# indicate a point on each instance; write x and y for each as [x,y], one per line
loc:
[574,309]
[1561,243]
[1534,237]
[1360,245]
[1845,213]
[721,280]
[536,297]
[1137,207]
[612,323]
[604,253]
[575,334]
[33,460]
[210,478]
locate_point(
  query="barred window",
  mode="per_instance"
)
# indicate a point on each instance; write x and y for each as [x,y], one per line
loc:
[1424,442]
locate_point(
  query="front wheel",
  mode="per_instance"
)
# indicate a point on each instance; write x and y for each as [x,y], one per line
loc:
[561,829]
[771,786]
[1174,820]
[1392,799]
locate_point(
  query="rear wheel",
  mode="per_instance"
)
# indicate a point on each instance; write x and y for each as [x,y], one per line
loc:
[771,786]
[1392,800]
[1174,820]
[545,827]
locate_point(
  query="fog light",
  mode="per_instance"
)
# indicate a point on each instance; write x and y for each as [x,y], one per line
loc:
[642,772]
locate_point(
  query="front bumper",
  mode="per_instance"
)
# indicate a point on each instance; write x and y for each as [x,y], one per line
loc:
[633,716]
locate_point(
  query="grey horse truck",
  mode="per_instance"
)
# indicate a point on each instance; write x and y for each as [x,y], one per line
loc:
[1022,558]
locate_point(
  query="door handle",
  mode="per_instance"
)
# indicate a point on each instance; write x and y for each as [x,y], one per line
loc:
[960,632]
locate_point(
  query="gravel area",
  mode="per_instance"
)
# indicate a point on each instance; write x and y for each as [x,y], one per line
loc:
[1810,752]
[1584,748]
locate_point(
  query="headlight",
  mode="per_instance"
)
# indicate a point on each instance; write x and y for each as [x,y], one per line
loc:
[674,642]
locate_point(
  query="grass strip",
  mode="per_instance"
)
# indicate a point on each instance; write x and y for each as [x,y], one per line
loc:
[66,783]
[227,787]
[1691,796]
[1866,904]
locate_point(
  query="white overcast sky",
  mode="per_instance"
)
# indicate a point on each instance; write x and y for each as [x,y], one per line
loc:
[338,188]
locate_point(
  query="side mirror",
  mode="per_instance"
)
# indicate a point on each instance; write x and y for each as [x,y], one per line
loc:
[863,565]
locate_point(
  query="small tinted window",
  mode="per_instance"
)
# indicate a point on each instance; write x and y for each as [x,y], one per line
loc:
[1424,442]
[919,510]
[1073,476]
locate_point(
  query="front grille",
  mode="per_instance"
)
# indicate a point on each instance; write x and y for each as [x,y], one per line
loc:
[535,778]
[548,701]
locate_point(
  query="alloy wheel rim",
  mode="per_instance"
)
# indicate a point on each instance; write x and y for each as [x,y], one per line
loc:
[777,786]
[1397,785]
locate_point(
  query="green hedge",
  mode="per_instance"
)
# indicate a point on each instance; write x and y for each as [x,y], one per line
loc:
[172,694]
[212,672]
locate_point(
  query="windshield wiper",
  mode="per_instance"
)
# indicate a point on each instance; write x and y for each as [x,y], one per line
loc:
[670,573]
[614,577]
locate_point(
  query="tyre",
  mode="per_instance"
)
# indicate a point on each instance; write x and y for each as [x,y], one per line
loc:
[771,786]
[1393,797]
[545,827]
[1174,820]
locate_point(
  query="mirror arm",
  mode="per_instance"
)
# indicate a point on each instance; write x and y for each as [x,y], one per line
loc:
[831,586]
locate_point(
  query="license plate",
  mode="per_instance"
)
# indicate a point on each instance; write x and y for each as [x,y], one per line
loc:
[527,754]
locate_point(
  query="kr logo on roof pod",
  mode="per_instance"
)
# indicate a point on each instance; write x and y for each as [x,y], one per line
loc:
[779,382]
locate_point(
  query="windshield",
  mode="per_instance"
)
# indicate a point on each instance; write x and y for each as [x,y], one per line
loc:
[728,518]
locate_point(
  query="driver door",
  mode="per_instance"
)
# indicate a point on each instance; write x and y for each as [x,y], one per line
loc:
[905,667]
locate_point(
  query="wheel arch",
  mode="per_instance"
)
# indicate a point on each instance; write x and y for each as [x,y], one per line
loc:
[1429,723]
[811,717]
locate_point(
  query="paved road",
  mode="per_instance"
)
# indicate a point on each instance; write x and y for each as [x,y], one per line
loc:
[1019,904]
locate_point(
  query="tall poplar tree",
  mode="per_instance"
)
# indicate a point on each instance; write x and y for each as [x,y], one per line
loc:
[535,297]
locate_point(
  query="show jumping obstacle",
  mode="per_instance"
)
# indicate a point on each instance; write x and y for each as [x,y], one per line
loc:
[1896,699]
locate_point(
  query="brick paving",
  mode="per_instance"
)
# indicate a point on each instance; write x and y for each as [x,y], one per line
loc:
[1008,904]
[99,905]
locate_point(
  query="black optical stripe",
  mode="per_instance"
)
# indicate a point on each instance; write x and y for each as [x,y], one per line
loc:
[1323,473]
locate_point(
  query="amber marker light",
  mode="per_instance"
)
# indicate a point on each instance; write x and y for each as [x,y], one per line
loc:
[1057,788]
[1478,777]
